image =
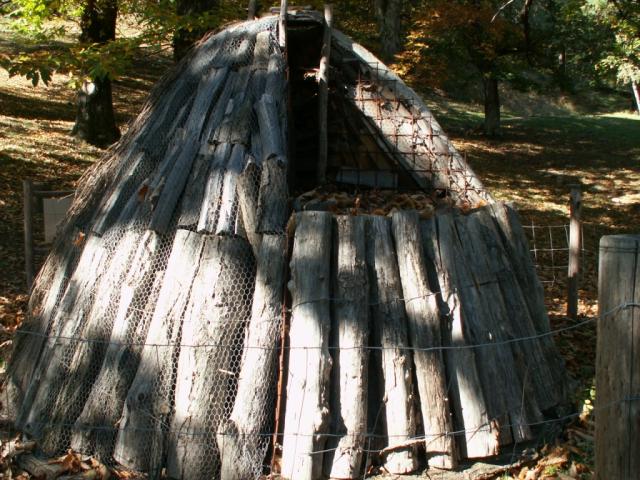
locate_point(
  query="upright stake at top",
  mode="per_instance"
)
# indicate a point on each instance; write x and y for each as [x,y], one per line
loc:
[575,241]
[323,95]
[282,24]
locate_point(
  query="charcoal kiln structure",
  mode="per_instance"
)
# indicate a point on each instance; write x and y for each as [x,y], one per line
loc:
[210,311]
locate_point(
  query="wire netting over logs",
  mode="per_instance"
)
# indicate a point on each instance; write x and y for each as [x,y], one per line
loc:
[186,323]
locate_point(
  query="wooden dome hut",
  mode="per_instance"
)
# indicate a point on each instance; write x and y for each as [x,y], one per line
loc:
[224,302]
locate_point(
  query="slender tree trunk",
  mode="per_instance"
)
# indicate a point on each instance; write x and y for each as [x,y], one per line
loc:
[491,105]
[388,13]
[183,38]
[636,94]
[95,120]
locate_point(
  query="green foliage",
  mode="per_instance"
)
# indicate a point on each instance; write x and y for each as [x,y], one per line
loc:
[49,31]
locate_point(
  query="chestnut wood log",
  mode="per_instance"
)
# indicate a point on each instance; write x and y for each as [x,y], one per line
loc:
[220,108]
[106,399]
[66,325]
[537,369]
[480,438]
[517,249]
[270,125]
[213,189]
[229,199]
[425,331]
[350,355]
[214,315]
[140,440]
[243,438]
[193,196]
[248,184]
[273,196]
[84,361]
[306,411]
[389,322]
[498,365]
[31,336]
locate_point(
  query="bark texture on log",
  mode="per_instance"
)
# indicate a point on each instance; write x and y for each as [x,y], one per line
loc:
[65,328]
[471,412]
[350,327]
[307,414]
[273,197]
[140,441]
[214,315]
[389,324]
[425,330]
[106,399]
[243,438]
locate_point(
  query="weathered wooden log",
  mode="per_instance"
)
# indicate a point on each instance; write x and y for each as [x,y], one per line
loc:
[152,187]
[248,203]
[229,199]
[220,108]
[507,323]
[214,316]
[243,438]
[306,411]
[211,199]
[70,314]
[273,196]
[208,89]
[106,399]
[497,365]
[390,331]
[82,363]
[192,198]
[31,336]
[269,123]
[538,370]
[425,332]
[517,248]
[351,356]
[140,440]
[110,209]
[480,437]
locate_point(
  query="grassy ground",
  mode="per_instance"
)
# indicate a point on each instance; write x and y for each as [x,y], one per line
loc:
[532,163]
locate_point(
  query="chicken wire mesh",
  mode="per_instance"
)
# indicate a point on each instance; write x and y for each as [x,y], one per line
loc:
[142,342]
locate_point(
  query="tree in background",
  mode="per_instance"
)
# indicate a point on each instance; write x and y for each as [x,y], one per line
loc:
[95,120]
[621,56]
[388,13]
[185,36]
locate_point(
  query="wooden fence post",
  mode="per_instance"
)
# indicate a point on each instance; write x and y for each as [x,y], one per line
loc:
[27,208]
[575,245]
[618,361]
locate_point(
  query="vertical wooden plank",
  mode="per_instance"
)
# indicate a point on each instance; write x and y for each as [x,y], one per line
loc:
[424,328]
[618,362]
[27,208]
[390,332]
[323,95]
[575,244]
[351,356]
[282,24]
[306,411]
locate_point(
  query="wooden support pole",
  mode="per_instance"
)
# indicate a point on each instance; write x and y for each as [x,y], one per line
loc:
[27,208]
[282,24]
[575,245]
[617,361]
[323,95]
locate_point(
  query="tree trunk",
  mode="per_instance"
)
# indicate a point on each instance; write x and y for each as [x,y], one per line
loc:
[636,95]
[184,38]
[388,13]
[491,106]
[95,120]
[351,337]
[306,412]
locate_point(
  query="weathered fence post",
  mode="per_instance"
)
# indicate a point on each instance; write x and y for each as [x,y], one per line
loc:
[27,189]
[618,361]
[575,245]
